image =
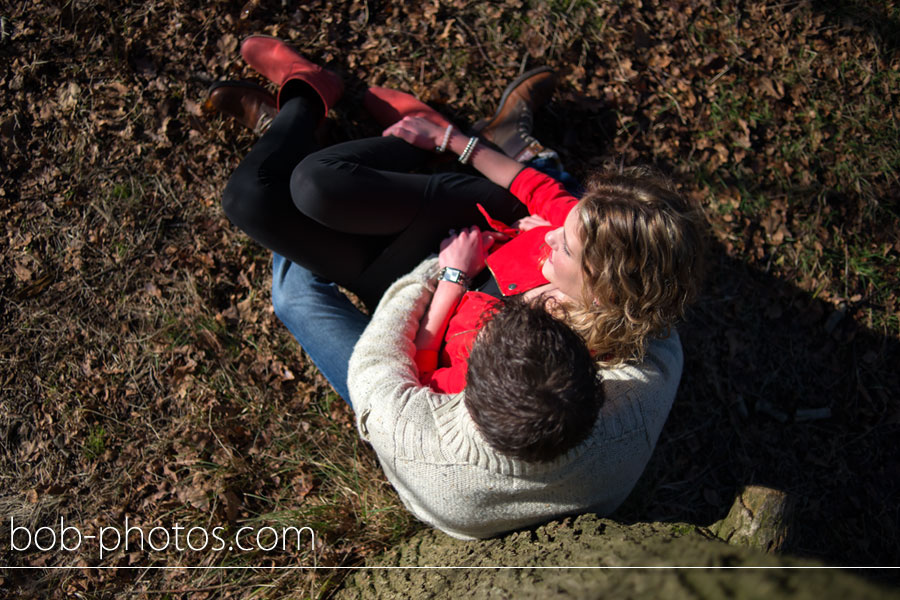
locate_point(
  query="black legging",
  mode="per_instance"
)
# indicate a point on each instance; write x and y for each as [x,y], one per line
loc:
[352,213]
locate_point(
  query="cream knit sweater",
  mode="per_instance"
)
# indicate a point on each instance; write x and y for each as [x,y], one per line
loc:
[442,468]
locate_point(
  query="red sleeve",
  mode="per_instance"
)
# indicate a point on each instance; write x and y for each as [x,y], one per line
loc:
[543,195]
[449,380]
[426,362]
[449,376]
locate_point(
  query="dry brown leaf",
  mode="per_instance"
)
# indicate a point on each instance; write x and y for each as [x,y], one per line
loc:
[232,504]
[22,271]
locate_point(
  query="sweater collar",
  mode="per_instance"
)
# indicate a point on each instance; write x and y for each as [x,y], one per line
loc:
[459,437]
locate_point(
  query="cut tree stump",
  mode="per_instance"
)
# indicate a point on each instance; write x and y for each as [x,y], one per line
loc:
[759,518]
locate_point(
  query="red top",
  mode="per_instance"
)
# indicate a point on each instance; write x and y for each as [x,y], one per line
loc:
[446,371]
[516,265]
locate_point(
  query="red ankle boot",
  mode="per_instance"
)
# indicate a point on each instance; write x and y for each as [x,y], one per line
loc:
[389,106]
[280,63]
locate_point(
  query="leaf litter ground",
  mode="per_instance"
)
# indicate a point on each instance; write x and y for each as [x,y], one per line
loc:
[144,374]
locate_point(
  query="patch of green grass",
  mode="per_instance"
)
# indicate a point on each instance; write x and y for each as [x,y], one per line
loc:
[871,265]
[121,249]
[121,191]
[680,529]
[175,330]
[95,444]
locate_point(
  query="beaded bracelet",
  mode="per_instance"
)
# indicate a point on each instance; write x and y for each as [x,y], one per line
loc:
[467,153]
[443,147]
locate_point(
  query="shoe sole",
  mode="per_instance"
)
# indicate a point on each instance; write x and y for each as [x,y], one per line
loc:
[239,84]
[264,37]
[509,90]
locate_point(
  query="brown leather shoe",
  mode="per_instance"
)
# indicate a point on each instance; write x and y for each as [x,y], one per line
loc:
[251,104]
[510,127]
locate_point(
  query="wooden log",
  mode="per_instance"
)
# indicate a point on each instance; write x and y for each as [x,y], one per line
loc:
[759,518]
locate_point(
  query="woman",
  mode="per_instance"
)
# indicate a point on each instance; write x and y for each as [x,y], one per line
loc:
[619,265]
[619,269]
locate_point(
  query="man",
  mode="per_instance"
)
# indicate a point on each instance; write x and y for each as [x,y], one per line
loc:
[445,470]
[438,454]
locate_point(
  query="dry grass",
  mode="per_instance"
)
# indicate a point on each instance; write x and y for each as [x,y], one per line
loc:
[143,373]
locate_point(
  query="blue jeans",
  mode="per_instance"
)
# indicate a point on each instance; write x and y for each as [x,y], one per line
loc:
[554,168]
[320,316]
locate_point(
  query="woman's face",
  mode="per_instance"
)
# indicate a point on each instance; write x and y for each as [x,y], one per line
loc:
[563,267]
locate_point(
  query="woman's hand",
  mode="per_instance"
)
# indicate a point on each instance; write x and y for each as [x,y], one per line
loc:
[530,222]
[424,134]
[467,249]
[417,131]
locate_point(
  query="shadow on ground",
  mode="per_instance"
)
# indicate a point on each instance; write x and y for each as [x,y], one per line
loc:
[881,21]
[781,389]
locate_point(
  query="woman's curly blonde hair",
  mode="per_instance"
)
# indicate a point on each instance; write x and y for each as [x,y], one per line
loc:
[642,256]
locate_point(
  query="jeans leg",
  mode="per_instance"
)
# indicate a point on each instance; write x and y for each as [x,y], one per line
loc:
[320,317]
[554,168]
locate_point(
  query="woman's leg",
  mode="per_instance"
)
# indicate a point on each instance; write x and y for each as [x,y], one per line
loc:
[451,203]
[258,200]
[364,187]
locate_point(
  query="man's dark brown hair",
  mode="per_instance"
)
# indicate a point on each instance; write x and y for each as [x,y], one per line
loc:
[532,386]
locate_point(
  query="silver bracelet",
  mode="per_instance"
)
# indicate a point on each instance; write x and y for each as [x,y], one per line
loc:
[467,153]
[443,147]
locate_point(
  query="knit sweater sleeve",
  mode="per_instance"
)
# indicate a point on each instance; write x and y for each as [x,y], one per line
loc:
[382,375]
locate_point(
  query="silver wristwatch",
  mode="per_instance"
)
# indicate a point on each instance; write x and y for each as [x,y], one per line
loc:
[454,276]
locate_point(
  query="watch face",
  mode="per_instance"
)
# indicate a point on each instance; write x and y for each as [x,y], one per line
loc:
[452,275]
